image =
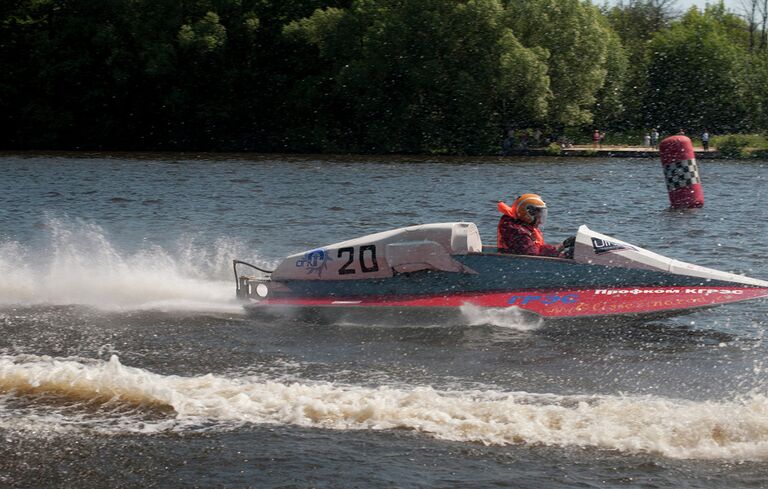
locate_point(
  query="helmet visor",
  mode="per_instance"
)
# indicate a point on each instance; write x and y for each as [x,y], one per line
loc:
[538,214]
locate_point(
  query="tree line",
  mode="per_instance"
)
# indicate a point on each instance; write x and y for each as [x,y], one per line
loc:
[369,76]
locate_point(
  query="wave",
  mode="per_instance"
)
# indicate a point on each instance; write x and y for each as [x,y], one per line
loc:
[79,265]
[734,429]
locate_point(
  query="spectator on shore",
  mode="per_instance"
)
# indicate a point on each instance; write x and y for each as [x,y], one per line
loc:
[655,138]
[705,140]
[509,141]
[647,140]
[524,140]
[596,136]
[681,132]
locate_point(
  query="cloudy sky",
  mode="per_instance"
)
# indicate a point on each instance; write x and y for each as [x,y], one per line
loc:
[683,5]
[734,5]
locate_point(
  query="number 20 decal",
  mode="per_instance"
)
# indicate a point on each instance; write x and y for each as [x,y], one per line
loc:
[367,253]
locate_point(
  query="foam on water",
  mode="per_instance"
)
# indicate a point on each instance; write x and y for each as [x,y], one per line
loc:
[81,266]
[507,317]
[731,429]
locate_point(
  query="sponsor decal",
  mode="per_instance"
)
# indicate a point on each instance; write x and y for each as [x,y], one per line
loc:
[668,291]
[603,246]
[314,261]
[547,299]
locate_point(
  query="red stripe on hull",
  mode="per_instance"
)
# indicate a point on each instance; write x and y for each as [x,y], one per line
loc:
[554,302]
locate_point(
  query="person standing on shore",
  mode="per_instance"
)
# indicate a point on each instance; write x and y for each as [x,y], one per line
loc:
[705,140]
[655,138]
[508,144]
[596,139]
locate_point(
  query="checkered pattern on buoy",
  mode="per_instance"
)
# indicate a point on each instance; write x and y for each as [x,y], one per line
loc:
[681,174]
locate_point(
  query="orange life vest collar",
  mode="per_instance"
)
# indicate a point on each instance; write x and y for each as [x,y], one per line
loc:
[538,237]
[505,209]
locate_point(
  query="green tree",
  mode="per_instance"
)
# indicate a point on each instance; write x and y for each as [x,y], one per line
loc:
[578,39]
[365,75]
[697,76]
[756,92]
[200,74]
[415,75]
[611,107]
[635,22]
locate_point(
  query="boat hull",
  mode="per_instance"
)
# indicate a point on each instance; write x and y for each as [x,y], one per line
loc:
[560,303]
[438,267]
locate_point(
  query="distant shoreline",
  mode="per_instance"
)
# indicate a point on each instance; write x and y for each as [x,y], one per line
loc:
[579,151]
[608,151]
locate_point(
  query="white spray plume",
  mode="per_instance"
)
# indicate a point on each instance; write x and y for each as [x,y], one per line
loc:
[81,266]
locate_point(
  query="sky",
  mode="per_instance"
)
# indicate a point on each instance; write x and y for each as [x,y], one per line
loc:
[733,5]
[683,5]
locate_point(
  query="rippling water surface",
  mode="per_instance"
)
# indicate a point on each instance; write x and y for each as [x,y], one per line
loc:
[125,360]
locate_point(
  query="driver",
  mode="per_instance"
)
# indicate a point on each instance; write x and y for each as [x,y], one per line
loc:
[518,230]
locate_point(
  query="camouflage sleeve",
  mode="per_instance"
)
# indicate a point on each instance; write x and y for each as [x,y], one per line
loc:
[548,250]
[518,240]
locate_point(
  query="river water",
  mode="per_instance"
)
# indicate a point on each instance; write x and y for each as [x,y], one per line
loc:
[125,360]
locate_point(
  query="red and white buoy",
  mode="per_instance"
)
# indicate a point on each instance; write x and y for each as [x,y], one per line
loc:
[681,173]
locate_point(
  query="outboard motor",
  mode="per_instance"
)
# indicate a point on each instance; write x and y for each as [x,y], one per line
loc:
[248,286]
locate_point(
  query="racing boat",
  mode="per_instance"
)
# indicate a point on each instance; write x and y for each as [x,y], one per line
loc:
[434,268]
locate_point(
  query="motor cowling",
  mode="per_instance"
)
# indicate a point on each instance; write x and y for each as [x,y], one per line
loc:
[381,255]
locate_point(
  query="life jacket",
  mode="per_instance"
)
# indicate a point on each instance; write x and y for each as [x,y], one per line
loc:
[536,234]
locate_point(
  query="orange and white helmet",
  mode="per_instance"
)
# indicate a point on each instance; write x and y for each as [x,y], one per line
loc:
[530,208]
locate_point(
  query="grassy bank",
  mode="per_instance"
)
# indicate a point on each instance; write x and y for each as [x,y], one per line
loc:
[738,146]
[742,145]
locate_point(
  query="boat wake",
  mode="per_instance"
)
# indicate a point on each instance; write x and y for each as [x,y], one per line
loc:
[79,265]
[504,317]
[43,395]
